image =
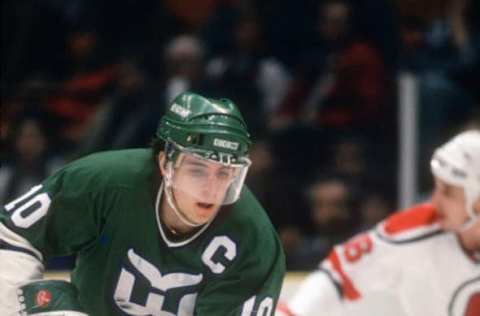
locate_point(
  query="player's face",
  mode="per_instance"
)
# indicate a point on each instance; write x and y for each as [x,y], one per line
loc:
[449,201]
[199,187]
[329,203]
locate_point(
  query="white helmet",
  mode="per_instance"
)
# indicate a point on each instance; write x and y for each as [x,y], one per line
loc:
[458,163]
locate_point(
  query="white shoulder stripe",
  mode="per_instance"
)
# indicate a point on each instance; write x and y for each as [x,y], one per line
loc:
[18,241]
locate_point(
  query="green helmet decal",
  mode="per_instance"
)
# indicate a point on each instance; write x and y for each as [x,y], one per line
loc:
[213,128]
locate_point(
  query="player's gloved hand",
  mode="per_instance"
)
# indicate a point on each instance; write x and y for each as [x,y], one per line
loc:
[49,298]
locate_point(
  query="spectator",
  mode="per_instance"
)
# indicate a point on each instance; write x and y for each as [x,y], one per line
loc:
[271,185]
[29,158]
[247,73]
[184,58]
[342,82]
[349,157]
[75,98]
[374,207]
[356,158]
[32,37]
[129,114]
[333,216]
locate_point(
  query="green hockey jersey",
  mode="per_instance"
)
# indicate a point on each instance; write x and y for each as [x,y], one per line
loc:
[104,209]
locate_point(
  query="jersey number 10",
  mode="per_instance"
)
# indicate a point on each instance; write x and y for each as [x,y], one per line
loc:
[27,210]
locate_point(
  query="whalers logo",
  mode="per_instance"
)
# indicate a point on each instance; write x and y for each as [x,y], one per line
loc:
[157,295]
[225,144]
[176,108]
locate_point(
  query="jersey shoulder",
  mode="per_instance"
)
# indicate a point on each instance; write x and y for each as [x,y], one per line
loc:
[247,222]
[122,168]
[416,223]
[380,250]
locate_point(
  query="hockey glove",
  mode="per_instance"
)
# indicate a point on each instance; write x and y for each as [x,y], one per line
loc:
[49,298]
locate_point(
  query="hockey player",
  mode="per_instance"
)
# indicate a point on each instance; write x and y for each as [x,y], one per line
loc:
[426,257]
[170,230]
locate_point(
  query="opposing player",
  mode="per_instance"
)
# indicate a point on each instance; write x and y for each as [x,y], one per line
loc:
[427,257]
[169,230]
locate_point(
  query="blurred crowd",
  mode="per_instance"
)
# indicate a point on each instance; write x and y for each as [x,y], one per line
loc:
[315,80]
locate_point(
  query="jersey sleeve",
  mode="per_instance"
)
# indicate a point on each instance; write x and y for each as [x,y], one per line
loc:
[61,216]
[251,285]
[57,217]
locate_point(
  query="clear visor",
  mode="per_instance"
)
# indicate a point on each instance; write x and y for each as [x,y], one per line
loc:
[207,181]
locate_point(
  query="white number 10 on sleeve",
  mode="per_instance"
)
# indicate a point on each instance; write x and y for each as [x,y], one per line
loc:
[29,208]
[265,307]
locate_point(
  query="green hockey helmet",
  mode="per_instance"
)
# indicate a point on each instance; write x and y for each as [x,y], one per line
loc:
[212,133]
[211,128]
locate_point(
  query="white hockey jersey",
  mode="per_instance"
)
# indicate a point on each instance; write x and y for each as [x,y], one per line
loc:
[407,257]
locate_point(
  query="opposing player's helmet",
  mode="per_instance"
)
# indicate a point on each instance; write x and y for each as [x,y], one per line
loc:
[210,130]
[458,163]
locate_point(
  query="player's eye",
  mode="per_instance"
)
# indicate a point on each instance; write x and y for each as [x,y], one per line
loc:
[198,173]
[223,175]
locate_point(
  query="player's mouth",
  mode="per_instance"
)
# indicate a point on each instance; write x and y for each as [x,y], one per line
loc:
[205,206]
[205,210]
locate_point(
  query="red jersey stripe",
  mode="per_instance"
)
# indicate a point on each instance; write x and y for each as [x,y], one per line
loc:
[348,289]
[418,216]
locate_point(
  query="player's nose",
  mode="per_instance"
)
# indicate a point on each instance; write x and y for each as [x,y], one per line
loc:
[209,188]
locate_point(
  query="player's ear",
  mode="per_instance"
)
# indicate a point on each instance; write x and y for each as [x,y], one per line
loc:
[162,160]
[476,206]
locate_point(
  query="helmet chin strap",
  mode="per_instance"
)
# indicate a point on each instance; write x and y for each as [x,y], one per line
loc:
[170,199]
[172,204]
